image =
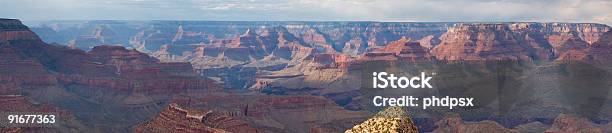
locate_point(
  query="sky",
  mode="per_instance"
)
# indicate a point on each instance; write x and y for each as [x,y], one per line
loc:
[592,11]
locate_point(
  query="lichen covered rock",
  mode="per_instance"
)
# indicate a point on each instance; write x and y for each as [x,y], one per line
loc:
[390,120]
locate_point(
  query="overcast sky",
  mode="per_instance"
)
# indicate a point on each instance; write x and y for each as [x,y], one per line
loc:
[599,11]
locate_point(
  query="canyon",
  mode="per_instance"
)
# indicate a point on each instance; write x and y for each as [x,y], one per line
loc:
[241,76]
[97,88]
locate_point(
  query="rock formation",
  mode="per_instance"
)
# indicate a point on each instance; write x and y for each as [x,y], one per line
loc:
[480,41]
[404,49]
[179,119]
[12,29]
[269,113]
[391,120]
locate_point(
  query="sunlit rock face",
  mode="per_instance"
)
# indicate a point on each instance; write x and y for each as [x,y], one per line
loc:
[391,119]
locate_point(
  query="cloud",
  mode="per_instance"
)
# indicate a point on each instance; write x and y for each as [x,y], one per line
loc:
[318,10]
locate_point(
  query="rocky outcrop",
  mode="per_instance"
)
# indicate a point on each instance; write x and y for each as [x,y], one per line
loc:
[123,59]
[291,113]
[12,29]
[179,119]
[404,49]
[391,119]
[394,47]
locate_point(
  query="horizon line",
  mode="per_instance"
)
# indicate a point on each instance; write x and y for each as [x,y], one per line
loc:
[324,21]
